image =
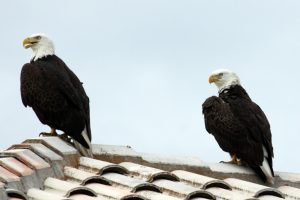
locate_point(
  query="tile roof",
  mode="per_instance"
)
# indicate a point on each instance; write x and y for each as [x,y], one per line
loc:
[47,168]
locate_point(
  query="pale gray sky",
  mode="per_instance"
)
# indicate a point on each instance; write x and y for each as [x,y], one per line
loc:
[145,67]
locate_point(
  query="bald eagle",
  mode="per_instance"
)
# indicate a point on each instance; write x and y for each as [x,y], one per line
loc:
[239,125]
[55,93]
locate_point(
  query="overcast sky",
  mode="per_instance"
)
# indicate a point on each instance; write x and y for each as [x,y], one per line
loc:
[145,67]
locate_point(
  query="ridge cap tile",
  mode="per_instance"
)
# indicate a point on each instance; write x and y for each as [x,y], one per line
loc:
[290,176]
[3,194]
[174,160]
[117,150]
[8,176]
[27,157]
[46,155]
[15,166]
[62,148]
[39,149]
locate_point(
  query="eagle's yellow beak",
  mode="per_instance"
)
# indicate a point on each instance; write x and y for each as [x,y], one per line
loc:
[28,42]
[213,78]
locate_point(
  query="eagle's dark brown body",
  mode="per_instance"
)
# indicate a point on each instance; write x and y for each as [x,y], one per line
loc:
[56,96]
[240,127]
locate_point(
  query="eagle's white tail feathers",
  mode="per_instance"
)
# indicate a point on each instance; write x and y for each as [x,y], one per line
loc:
[265,167]
[84,151]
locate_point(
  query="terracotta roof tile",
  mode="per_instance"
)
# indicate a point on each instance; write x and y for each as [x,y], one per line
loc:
[110,191]
[221,193]
[14,198]
[148,174]
[100,167]
[65,188]
[85,197]
[200,181]
[83,177]
[156,196]
[290,192]
[47,168]
[130,183]
[182,190]
[270,198]
[252,189]
[36,194]
[15,194]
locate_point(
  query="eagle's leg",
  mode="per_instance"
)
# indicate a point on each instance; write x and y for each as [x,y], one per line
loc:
[239,162]
[66,138]
[52,133]
[234,160]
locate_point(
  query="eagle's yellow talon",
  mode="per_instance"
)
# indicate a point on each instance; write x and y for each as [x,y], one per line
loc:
[52,133]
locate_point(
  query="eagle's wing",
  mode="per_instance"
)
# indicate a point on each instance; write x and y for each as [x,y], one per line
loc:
[223,125]
[258,131]
[255,121]
[265,131]
[264,127]
[243,111]
[24,86]
[65,86]
[83,98]
[40,76]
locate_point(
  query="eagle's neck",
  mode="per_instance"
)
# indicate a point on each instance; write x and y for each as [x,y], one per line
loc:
[224,85]
[225,88]
[42,51]
[234,90]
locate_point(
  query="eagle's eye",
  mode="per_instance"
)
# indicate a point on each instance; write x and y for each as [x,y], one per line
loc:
[221,74]
[38,37]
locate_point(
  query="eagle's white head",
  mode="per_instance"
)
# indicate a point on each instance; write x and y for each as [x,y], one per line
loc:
[40,44]
[224,78]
